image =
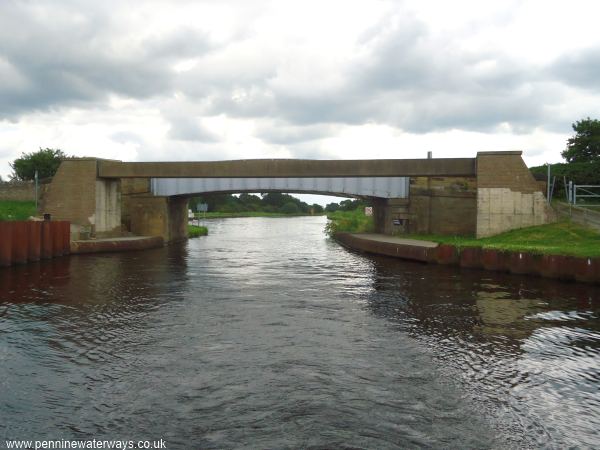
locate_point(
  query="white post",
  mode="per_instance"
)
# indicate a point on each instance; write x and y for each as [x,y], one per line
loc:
[36,189]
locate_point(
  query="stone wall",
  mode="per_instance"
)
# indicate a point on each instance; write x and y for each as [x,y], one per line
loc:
[443,205]
[22,191]
[508,196]
[92,205]
[131,188]
[158,216]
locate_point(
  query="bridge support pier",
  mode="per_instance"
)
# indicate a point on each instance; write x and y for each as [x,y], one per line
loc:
[94,205]
[390,215]
[158,216]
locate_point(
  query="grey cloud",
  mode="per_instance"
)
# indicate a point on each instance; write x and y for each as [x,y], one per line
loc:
[284,134]
[579,69]
[55,56]
[124,137]
[189,129]
[403,76]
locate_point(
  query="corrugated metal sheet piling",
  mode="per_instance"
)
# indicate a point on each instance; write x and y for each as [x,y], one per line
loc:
[22,242]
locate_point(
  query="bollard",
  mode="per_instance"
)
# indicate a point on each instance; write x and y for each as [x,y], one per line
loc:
[20,235]
[5,244]
[57,245]
[35,240]
[46,240]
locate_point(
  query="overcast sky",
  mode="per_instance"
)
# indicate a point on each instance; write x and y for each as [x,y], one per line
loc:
[225,79]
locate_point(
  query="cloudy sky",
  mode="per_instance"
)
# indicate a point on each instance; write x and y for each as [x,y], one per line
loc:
[226,79]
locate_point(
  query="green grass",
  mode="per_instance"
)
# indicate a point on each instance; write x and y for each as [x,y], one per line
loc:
[562,238]
[195,231]
[349,222]
[225,215]
[13,210]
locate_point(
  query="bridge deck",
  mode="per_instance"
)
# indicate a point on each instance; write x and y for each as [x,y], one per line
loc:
[257,168]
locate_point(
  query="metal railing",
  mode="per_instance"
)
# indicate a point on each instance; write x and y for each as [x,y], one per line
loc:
[581,193]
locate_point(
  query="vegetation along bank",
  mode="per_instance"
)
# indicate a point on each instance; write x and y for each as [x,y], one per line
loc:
[560,250]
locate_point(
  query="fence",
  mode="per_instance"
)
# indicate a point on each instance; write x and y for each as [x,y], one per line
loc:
[583,192]
[22,242]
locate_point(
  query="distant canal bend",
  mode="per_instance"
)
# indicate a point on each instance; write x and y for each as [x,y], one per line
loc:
[265,334]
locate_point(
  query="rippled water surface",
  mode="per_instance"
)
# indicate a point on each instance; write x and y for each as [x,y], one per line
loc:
[265,334]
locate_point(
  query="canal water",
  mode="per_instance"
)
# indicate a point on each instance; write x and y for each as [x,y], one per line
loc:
[266,334]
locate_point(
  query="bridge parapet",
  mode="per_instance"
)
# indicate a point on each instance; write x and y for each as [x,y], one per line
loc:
[290,168]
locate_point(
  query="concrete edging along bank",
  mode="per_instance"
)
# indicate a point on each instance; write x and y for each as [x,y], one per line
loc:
[117,244]
[549,266]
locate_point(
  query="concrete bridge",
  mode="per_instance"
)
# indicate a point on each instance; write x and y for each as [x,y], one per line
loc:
[485,195]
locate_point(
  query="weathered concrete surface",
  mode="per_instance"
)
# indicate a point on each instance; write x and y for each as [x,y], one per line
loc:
[22,190]
[255,168]
[508,196]
[116,244]
[390,246]
[91,205]
[560,267]
[130,188]
[443,205]
[158,216]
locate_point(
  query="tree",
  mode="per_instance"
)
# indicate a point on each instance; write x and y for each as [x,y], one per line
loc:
[585,145]
[289,208]
[45,161]
[332,207]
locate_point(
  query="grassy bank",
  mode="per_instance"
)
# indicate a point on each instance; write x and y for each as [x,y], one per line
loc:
[349,222]
[195,231]
[13,210]
[562,238]
[225,215]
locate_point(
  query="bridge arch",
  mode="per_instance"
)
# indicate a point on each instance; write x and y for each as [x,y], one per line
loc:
[381,187]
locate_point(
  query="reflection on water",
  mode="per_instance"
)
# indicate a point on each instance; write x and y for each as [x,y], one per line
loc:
[266,334]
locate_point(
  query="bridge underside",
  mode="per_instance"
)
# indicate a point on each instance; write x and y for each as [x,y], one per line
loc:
[383,187]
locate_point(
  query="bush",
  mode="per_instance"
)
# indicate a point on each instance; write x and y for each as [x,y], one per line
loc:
[289,208]
[45,161]
[349,222]
[195,231]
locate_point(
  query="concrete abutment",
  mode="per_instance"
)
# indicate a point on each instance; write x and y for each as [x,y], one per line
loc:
[481,196]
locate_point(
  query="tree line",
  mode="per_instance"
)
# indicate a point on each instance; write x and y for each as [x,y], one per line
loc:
[582,156]
[270,202]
